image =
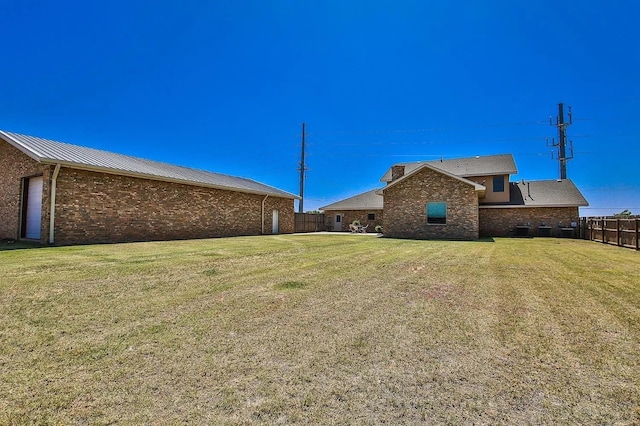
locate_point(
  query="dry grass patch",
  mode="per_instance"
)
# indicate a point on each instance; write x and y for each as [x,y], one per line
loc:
[321,329]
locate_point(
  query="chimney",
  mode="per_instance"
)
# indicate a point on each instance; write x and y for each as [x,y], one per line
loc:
[396,172]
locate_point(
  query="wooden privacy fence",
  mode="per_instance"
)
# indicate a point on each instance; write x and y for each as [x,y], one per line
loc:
[309,222]
[615,231]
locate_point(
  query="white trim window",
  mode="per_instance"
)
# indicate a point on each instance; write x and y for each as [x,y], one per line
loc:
[436,213]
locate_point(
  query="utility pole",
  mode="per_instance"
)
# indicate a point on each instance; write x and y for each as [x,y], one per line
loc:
[302,169]
[562,156]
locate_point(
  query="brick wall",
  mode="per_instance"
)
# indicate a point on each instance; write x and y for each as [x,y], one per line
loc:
[405,207]
[397,172]
[501,222]
[14,166]
[348,216]
[100,207]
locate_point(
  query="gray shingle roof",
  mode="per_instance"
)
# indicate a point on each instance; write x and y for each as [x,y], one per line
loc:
[487,165]
[80,157]
[366,201]
[477,186]
[543,193]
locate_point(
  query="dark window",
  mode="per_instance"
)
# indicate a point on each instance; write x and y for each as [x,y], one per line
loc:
[437,213]
[498,184]
[338,219]
[371,216]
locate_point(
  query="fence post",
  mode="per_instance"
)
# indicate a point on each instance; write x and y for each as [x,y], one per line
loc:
[584,228]
[637,239]
[618,232]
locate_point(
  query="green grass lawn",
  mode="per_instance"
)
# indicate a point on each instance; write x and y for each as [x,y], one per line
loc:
[339,329]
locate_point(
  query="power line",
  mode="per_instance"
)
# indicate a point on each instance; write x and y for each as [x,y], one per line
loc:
[320,143]
[323,144]
[429,142]
[429,129]
[604,119]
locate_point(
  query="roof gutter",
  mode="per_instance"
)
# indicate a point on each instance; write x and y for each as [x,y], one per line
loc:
[52,210]
[529,206]
[263,201]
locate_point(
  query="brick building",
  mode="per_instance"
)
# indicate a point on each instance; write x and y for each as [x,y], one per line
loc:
[55,192]
[366,208]
[467,198]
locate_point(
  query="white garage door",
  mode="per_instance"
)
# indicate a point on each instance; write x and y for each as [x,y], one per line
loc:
[34,208]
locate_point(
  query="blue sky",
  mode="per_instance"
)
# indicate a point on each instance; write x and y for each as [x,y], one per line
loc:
[225,86]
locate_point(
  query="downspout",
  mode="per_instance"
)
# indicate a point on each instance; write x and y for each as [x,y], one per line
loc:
[52,210]
[263,201]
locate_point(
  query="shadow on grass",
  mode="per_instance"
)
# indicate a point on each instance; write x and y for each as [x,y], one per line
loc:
[453,240]
[485,240]
[18,245]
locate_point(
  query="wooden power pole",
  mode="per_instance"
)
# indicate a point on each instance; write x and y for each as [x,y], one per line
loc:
[302,169]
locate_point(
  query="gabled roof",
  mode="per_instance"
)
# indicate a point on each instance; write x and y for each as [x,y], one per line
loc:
[475,185]
[369,200]
[79,157]
[542,193]
[487,165]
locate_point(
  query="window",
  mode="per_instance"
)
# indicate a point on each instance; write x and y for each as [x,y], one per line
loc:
[436,213]
[371,216]
[498,184]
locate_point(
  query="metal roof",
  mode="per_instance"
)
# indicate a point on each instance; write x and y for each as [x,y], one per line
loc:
[542,193]
[369,200]
[486,165]
[80,157]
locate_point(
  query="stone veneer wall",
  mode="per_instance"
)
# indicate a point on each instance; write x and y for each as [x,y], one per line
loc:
[94,207]
[501,222]
[348,216]
[14,166]
[405,207]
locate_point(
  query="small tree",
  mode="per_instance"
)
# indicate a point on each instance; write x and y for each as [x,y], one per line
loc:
[625,214]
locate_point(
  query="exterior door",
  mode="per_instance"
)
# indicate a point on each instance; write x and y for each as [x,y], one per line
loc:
[338,224]
[276,225]
[33,208]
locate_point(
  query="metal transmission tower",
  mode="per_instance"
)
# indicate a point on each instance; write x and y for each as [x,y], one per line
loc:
[562,156]
[302,170]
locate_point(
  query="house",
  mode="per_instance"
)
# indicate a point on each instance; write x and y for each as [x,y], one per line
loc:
[54,192]
[366,208]
[467,198]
